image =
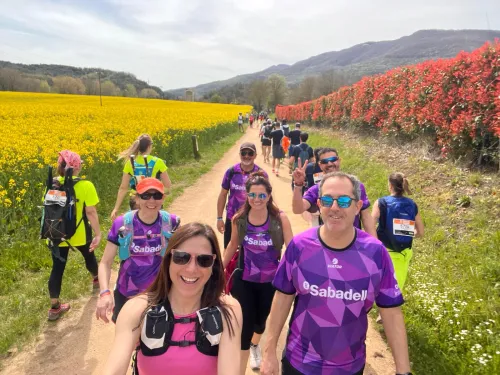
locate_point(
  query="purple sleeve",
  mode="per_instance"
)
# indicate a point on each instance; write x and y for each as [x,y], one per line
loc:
[389,294]
[364,197]
[312,194]
[283,280]
[226,182]
[115,228]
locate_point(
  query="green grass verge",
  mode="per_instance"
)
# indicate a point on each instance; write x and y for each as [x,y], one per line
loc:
[25,265]
[453,291]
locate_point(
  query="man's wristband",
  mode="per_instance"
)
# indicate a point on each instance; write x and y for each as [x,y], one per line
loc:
[297,185]
[219,218]
[103,292]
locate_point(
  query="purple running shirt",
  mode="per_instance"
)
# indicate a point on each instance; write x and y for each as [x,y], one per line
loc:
[236,187]
[335,290]
[260,256]
[140,269]
[312,195]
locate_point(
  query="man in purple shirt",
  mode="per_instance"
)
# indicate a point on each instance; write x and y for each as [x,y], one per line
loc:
[329,161]
[334,273]
[233,183]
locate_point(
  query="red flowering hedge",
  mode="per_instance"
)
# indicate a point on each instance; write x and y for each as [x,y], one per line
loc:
[456,99]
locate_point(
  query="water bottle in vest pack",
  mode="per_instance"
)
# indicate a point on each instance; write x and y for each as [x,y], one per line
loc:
[397,222]
[141,170]
[58,223]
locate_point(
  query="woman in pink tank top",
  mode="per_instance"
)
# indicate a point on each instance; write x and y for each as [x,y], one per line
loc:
[184,324]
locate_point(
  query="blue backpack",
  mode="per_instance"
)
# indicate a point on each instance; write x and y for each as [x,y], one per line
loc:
[303,154]
[126,235]
[396,227]
[141,170]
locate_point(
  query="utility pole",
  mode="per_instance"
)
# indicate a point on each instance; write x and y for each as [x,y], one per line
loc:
[100,93]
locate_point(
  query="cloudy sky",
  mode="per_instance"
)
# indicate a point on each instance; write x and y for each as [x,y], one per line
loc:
[178,43]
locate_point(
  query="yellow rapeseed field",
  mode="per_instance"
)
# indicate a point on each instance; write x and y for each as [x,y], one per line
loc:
[37,126]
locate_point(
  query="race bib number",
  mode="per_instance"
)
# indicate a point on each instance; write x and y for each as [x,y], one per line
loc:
[139,178]
[318,177]
[56,197]
[403,227]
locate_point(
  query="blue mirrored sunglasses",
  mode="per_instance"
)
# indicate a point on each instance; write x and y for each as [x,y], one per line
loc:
[331,159]
[343,201]
[255,195]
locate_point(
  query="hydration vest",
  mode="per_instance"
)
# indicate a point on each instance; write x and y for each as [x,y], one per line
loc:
[158,327]
[275,231]
[126,233]
[396,227]
[141,170]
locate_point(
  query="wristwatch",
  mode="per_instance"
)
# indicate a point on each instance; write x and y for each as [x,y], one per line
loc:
[219,218]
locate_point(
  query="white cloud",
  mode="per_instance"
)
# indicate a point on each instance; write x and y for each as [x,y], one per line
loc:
[180,43]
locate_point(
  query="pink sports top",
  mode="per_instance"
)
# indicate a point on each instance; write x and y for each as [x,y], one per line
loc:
[177,360]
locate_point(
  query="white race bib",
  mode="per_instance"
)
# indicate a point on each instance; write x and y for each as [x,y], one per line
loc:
[56,197]
[402,227]
[318,177]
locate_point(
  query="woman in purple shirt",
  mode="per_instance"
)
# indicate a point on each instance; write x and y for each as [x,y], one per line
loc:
[259,229]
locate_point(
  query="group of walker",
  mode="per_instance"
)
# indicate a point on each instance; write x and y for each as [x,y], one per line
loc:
[182,306]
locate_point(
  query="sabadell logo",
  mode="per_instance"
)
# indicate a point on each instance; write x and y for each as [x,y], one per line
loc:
[348,295]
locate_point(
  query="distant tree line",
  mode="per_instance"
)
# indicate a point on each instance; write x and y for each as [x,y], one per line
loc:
[274,90]
[12,79]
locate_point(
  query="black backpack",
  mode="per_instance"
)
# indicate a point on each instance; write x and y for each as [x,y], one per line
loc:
[58,222]
[267,131]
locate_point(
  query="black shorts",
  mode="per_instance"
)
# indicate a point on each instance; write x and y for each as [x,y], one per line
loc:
[120,300]
[266,142]
[288,369]
[255,300]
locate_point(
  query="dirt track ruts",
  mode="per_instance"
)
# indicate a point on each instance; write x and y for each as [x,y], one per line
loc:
[79,344]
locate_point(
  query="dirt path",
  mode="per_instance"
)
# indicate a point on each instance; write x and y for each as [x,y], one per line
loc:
[79,344]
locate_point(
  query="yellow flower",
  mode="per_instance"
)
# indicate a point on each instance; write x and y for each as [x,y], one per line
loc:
[7,202]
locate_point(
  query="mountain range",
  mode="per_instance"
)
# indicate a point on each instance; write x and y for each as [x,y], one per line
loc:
[367,58]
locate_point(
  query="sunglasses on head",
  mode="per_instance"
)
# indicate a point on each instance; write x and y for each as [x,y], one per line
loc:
[147,196]
[331,159]
[245,153]
[343,201]
[182,258]
[255,195]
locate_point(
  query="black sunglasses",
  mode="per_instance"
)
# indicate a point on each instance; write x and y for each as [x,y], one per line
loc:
[245,153]
[182,258]
[331,159]
[147,196]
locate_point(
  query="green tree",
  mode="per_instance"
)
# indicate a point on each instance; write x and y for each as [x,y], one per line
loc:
[258,95]
[108,88]
[277,89]
[216,98]
[130,91]
[149,93]
[44,86]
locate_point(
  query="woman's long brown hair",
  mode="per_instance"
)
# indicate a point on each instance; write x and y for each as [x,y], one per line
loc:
[259,178]
[212,292]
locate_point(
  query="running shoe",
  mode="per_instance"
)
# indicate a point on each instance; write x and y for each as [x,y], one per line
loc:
[274,171]
[255,357]
[55,314]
